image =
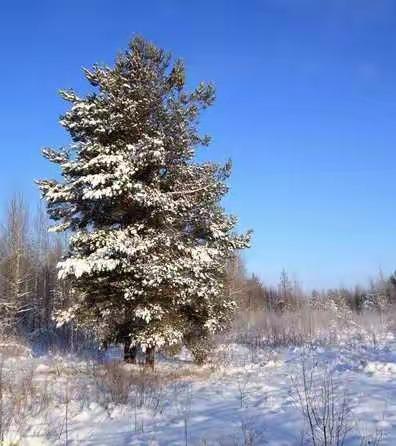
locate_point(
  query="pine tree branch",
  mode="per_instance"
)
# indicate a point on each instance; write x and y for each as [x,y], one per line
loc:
[189,192]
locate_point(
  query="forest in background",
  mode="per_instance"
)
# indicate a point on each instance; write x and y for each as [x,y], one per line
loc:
[31,293]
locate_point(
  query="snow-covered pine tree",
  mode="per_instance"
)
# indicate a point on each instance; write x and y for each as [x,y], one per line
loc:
[150,240]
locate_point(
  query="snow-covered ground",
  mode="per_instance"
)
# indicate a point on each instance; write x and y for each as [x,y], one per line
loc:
[248,396]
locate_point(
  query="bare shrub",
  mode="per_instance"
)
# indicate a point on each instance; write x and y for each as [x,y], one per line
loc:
[278,329]
[374,439]
[310,325]
[139,386]
[4,420]
[182,397]
[249,435]
[243,381]
[20,399]
[13,347]
[374,326]
[325,410]
[113,382]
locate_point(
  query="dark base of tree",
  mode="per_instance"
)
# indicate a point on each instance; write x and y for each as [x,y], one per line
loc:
[150,357]
[130,354]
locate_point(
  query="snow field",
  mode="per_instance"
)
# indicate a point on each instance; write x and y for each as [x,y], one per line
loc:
[244,397]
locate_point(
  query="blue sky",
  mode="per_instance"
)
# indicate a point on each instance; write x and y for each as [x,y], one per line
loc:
[306,109]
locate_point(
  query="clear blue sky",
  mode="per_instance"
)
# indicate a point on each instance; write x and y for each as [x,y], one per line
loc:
[306,109]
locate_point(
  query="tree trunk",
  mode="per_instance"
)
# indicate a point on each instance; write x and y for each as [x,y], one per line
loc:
[129,353]
[150,357]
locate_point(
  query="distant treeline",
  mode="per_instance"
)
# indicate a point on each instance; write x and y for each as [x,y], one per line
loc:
[288,295]
[31,294]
